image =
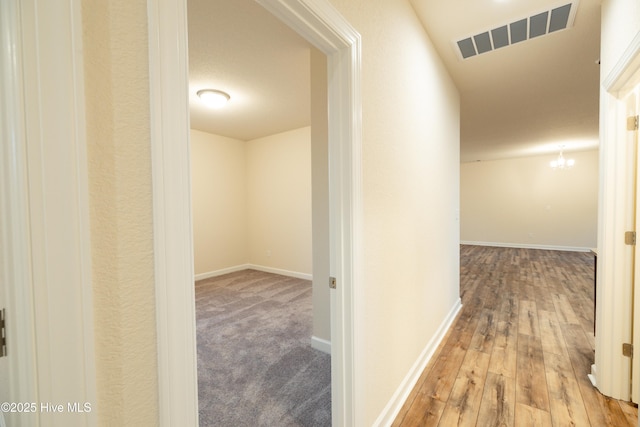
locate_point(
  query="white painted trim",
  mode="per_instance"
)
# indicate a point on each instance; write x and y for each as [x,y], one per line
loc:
[528,246]
[216,273]
[592,376]
[393,407]
[58,198]
[173,247]
[297,275]
[619,80]
[222,271]
[83,210]
[321,344]
[611,371]
[323,26]
[15,271]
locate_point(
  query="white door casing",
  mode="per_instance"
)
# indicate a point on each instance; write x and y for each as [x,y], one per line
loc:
[632,102]
[612,370]
[45,209]
[319,23]
[633,225]
[17,369]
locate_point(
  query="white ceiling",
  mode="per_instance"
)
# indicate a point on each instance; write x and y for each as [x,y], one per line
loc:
[519,100]
[240,48]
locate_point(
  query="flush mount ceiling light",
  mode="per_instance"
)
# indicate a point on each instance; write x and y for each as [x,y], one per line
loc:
[213,98]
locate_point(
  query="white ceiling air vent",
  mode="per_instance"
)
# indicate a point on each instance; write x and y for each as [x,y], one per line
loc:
[536,25]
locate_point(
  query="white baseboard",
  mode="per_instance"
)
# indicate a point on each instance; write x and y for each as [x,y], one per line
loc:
[528,246]
[295,274]
[321,344]
[592,376]
[241,267]
[398,399]
[220,272]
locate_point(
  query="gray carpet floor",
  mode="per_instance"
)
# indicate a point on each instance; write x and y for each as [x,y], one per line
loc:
[256,366]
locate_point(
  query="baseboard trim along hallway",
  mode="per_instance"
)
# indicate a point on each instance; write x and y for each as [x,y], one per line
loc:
[520,349]
[398,399]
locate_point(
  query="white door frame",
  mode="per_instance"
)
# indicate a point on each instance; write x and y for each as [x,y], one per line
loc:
[45,207]
[14,227]
[319,23]
[612,370]
[632,101]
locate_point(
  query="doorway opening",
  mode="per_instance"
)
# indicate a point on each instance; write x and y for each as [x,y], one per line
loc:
[323,27]
[251,180]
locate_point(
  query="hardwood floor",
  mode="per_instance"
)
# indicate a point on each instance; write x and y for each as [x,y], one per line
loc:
[521,347]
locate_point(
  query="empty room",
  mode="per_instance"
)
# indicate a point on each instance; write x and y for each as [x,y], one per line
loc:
[262,359]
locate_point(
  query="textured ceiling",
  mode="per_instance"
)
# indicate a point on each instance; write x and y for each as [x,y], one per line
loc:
[526,98]
[240,48]
[523,99]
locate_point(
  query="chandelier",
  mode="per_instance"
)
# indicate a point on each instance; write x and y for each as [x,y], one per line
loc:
[561,162]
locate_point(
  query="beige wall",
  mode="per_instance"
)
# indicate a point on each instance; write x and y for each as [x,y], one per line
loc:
[411,197]
[252,202]
[524,203]
[218,199]
[279,201]
[119,163]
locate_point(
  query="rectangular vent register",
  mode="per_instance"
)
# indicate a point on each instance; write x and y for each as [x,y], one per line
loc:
[518,31]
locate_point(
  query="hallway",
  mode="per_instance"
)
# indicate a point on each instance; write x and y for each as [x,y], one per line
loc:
[521,348]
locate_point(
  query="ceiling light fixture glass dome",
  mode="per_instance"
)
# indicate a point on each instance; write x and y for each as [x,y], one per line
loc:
[213,98]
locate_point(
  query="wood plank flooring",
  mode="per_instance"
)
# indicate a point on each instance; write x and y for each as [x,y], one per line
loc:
[521,347]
